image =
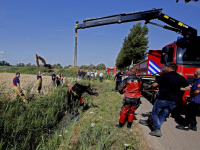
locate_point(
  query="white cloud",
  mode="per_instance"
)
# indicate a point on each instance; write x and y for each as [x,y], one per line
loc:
[1,52]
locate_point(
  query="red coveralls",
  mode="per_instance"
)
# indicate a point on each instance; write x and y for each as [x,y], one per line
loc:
[131,87]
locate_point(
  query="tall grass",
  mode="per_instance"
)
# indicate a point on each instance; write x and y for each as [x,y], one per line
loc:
[36,126]
[23,127]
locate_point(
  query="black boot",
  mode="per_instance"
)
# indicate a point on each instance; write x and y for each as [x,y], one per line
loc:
[129,124]
[120,125]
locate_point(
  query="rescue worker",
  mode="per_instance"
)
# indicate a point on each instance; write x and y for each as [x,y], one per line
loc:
[131,88]
[170,84]
[17,88]
[119,79]
[193,106]
[39,82]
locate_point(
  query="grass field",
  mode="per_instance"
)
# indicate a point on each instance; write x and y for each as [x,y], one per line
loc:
[38,126]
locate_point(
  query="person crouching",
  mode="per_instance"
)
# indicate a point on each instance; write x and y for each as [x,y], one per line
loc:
[131,88]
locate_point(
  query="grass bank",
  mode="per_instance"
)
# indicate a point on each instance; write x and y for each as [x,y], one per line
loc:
[38,126]
[96,128]
[24,127]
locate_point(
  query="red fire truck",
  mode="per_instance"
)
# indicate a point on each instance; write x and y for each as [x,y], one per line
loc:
[111,70]
[185,51]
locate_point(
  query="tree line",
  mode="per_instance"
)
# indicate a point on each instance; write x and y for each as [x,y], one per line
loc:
[4,63]
[100,66]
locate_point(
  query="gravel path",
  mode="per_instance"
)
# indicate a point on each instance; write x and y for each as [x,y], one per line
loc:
[172,138]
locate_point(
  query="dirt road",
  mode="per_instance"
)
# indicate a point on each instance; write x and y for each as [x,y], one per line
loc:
[172,138]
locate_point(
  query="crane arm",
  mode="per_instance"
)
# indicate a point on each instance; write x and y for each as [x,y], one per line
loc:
[175,25]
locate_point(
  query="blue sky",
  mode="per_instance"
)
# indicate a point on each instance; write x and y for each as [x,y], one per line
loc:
[46,28]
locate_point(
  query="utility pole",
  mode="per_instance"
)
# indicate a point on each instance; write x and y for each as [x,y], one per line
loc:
[75,51]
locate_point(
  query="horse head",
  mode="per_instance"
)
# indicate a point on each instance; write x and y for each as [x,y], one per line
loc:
[91,91]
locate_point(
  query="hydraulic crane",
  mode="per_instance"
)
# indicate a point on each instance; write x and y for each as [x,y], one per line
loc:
[156,14]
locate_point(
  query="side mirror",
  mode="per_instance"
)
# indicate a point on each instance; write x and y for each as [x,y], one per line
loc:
[165,50]
[164,58]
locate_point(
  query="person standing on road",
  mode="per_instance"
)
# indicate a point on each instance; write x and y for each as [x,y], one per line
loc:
[193,106]
[53,77]
[17,88]
[131,88]
[39,82]
[101,76]
[119,79]
[88,75]
[169,86]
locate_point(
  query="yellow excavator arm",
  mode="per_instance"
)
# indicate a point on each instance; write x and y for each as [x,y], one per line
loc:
[43,61]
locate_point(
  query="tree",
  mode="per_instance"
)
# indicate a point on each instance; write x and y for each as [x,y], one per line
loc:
[101,66]
[57,66]
[20,65]
[66,67]
[83,67]
[91,67]
[4,63]
[29,64]
[187,1]
[134,46]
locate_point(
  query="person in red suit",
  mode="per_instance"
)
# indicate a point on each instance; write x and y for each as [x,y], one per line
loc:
[131,88]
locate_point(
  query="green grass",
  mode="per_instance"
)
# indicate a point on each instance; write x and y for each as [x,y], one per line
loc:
[96,128]
[38,126]
[23,127]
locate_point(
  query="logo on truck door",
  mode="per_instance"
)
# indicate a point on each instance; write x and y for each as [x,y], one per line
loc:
[153,68]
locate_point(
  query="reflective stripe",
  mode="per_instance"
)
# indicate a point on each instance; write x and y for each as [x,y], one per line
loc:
[153,68]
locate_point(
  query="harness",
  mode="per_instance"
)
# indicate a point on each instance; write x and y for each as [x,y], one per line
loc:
[70,90]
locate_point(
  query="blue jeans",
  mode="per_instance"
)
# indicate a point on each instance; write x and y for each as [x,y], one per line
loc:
[101,78]
[161,109]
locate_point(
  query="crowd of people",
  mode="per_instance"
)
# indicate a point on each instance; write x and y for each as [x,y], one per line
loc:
[89,75]
[172,86]
[56,81]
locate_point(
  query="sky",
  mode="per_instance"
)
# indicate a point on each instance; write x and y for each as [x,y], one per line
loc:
[47,28]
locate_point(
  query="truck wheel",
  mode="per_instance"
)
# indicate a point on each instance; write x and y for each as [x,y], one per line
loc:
[153,97]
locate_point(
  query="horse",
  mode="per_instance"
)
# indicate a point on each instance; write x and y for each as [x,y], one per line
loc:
[74,96]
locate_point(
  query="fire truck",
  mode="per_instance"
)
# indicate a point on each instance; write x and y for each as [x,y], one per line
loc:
[185,51]
[111,70]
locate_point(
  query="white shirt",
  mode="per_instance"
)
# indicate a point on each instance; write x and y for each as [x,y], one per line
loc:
[101,74]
